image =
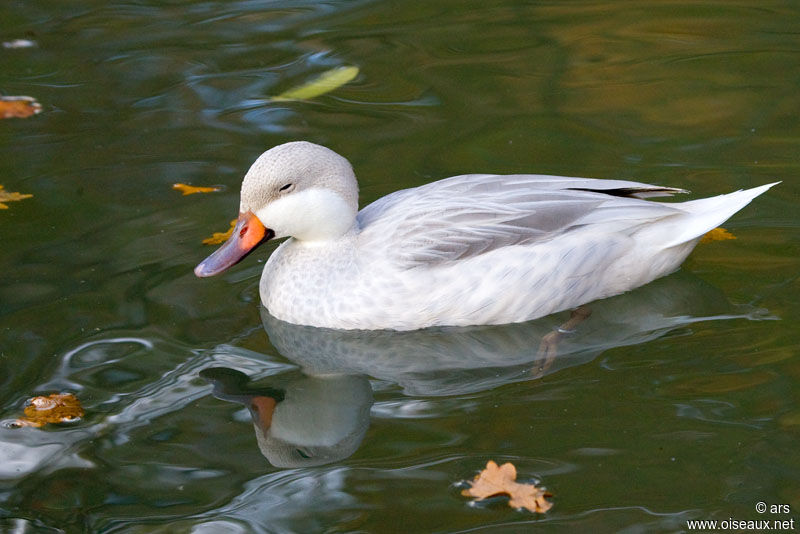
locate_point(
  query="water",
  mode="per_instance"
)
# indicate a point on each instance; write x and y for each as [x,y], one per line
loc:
[677,401]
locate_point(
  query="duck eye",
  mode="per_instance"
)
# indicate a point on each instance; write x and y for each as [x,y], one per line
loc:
[285,187]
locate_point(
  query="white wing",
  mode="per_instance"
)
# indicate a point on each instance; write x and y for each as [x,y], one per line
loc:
[469,215]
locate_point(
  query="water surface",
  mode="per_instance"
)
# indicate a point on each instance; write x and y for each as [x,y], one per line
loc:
[676,401]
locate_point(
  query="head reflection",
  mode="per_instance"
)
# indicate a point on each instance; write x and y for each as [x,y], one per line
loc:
[307,421]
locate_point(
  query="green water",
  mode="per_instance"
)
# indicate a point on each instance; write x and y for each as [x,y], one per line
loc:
[677,401]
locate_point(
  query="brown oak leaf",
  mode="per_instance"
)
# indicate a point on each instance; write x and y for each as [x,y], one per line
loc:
[55,408]
[502,480]
[18,107]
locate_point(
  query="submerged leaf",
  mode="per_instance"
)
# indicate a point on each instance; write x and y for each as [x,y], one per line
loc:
[717,234]
[19,43]
[191,189]
[55,408]
[18,107]
[324,83]
[501,480]
[5,196]
[220,237]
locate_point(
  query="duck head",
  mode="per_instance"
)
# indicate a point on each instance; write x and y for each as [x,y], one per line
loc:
[298,190]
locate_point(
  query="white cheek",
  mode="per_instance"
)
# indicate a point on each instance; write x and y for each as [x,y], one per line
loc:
[277,216]
[310,214]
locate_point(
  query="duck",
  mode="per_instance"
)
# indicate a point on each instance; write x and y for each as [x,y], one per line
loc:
[469,250]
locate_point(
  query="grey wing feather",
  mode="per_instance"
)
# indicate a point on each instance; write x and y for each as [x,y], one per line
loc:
[464,216]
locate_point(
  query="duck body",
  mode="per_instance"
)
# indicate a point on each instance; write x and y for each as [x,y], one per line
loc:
[467,250]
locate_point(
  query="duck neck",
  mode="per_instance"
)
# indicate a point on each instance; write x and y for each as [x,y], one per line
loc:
[328,238]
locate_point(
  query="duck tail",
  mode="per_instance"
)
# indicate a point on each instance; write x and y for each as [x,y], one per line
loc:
[709,213]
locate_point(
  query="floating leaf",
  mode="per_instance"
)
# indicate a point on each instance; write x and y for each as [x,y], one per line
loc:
[717,234]
[501,480]
[5,196]
[220,237]
[18,107]
[324,83]
[55,408]
[191,189]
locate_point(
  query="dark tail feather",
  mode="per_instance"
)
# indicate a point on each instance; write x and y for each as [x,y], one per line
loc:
[635,192]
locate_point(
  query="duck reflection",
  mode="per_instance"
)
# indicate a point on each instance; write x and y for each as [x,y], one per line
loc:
[322,416]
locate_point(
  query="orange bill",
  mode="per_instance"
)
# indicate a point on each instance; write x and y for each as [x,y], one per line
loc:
[247,235]
[262,408]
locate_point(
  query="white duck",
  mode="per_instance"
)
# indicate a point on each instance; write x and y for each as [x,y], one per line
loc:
[467,250]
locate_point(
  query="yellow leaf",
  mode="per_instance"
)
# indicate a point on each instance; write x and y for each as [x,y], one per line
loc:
[191,189]
[220,237]
[55,408]
[324,83]
[18,107]
[5,196]
[501,480]
[717,234]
